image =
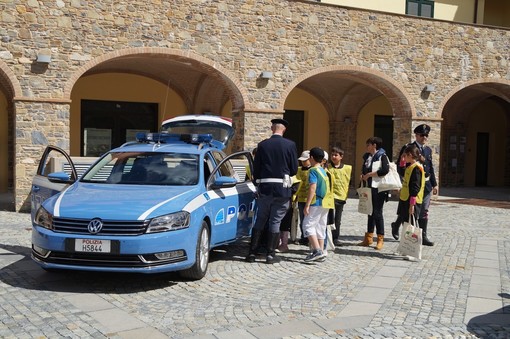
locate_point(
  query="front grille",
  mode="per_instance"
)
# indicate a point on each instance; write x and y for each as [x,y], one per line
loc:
[103,260]
[110,227]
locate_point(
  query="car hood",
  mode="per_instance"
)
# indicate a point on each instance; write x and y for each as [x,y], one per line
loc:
[119,202]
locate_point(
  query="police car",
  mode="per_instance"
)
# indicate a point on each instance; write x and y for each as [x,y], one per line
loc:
[157,204]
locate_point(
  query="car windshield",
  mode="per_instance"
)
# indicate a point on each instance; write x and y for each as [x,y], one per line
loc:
[145,168]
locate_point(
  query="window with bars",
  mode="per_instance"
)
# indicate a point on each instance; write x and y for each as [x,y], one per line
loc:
[423,8]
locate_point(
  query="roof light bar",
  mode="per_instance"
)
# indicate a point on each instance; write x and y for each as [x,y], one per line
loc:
[168,138]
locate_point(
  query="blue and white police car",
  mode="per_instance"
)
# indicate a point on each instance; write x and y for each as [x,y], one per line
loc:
[157,204]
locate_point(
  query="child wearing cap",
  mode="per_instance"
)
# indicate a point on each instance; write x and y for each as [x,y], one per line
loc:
[319,201]
[302,193]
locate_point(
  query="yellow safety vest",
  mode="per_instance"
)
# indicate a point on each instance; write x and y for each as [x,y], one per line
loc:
[302,192]
[328,201]
[404,191]
[341,180]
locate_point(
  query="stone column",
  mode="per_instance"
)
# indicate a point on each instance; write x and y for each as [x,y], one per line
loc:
[343,134]
[403,134]
[252,127]
[37,124]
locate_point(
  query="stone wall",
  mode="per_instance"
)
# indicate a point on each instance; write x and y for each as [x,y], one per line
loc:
[288,38]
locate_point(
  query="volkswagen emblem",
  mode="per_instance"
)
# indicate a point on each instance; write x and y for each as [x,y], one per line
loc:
[95,226]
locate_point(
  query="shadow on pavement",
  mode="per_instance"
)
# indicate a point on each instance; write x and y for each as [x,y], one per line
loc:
[494,197]
[22,272]
[483,326]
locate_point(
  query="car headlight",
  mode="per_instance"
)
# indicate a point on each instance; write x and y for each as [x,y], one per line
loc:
[44,218]
[169,222]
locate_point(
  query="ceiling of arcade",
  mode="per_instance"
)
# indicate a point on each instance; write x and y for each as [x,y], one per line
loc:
[205,89]
[460,104]
[202,90]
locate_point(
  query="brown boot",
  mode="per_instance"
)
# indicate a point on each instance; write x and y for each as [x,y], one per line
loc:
[380,242]
[368,240]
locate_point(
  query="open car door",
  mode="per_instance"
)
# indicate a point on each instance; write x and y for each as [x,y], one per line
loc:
[52,176]
[238,193]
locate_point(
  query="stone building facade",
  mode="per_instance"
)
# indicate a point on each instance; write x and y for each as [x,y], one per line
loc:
[213,52]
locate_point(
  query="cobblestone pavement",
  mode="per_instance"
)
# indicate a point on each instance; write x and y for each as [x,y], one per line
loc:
[461,288]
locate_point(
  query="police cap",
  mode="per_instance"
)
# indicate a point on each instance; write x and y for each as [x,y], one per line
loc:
[280,121]
[422,129]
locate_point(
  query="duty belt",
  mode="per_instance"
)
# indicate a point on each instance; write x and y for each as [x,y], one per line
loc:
[270,180]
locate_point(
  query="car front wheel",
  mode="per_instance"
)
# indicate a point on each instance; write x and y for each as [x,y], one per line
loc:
[199,268]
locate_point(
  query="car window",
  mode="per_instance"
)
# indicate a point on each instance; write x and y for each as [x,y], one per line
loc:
[145,168]
[226,168]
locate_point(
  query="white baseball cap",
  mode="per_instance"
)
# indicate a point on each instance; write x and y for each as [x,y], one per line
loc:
[304,156]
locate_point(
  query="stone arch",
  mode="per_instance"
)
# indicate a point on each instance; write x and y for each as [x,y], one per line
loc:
[387,86]
[492,86]
[236,91]
[475,109]
[9,84]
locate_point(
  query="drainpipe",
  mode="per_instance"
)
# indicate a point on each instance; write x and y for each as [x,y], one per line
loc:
[476,12]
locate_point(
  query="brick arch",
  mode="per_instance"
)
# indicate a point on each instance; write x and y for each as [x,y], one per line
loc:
[505,95]
[9,84]
[238,94]
[390,88]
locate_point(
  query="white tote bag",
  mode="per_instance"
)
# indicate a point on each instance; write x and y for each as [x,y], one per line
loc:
[410,240]
[390,181]
[365,199]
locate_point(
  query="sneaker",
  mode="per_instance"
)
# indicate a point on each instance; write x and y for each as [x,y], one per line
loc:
[314,256]
[325,253]
[321,259]
[250,258]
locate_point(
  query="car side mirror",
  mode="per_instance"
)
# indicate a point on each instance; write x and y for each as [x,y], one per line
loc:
[60,178]
[224,182]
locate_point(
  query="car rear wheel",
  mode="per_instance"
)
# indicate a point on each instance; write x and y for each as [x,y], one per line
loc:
[199,268]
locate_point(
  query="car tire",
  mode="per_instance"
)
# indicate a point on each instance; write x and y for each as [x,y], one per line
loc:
[199,268]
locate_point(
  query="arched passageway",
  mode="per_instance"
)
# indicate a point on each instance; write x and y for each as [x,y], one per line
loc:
[9,89]
[121,93]
[344,105]
[476,135]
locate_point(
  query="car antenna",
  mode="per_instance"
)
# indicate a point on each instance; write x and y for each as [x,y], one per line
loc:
[160,129]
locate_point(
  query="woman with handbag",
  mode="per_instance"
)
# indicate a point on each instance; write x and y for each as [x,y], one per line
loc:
[375,164]
[413,184]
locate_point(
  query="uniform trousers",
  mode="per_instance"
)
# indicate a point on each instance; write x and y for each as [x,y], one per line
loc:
[424,211]
[270,211]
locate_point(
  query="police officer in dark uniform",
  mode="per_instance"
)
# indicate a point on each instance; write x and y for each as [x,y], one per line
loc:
[274,165]
[421,135]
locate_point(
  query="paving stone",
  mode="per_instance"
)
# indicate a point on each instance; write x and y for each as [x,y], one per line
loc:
[460,289]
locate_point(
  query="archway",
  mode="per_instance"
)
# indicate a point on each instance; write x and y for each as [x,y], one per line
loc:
[176,82]
[9,90]
[343,106]
[476,135]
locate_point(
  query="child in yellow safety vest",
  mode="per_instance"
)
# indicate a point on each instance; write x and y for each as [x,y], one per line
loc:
[413,184]
[302,193]
[319,201]
[341,178]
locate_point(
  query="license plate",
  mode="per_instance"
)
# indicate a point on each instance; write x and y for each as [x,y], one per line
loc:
[92,245]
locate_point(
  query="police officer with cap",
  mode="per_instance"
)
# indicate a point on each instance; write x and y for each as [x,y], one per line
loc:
[421,133]
[274,165]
